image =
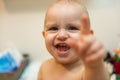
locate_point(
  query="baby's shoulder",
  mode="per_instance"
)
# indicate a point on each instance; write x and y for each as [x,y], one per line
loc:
[44,68]
[46,63]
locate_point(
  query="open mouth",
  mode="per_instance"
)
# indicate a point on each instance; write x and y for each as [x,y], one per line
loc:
[62,47]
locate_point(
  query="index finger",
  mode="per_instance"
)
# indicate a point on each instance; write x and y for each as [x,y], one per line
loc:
[85,28]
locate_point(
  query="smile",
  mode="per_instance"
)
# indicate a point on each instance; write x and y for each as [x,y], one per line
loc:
[62,49]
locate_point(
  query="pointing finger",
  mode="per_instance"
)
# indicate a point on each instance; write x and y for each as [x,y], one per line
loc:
[85,28]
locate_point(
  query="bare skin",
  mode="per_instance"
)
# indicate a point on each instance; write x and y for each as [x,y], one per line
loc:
[77,54]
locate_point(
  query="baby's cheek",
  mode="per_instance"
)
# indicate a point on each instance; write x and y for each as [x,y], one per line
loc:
[73,41]
[48,40]
[75,37]
[49,37]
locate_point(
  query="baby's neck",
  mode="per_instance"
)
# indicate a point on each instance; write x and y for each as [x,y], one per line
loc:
[71,66]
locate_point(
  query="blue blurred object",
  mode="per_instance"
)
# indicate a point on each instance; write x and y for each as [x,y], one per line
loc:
[7,63]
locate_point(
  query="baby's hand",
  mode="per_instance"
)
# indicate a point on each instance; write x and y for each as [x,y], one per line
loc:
[90,50]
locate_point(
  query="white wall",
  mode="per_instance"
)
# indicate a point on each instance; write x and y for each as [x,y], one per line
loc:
[23,30]
[105,21]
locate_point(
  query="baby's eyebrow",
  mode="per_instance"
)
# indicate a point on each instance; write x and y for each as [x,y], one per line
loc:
[78,24]
[49,24]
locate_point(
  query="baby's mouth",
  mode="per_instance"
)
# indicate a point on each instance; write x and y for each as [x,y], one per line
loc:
[62,47]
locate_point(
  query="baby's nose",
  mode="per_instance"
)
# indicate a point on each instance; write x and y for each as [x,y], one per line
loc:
[62,35]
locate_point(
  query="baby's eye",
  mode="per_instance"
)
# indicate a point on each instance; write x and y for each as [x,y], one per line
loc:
[72,28]
[53,28]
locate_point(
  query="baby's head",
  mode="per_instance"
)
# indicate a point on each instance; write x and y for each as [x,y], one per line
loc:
[65,6]
[62,26]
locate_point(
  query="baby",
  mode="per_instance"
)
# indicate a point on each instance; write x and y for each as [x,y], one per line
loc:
[77,54]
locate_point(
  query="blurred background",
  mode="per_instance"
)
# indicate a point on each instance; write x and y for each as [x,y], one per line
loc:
[21,24]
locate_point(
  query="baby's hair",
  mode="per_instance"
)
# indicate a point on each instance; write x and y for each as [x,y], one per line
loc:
[76,3]
[67,0]
[73,2]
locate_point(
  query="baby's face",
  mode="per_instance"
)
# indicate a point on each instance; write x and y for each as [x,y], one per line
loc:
[62,26]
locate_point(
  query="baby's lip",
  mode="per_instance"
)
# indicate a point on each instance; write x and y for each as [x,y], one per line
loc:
[62,46]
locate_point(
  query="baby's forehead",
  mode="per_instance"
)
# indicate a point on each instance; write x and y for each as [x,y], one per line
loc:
[74,7]
[64,11]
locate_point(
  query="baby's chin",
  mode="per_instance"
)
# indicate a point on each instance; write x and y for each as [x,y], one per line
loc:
[67,61]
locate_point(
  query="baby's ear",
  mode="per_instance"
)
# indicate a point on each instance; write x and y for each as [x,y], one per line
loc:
[91,32]
[43,33]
